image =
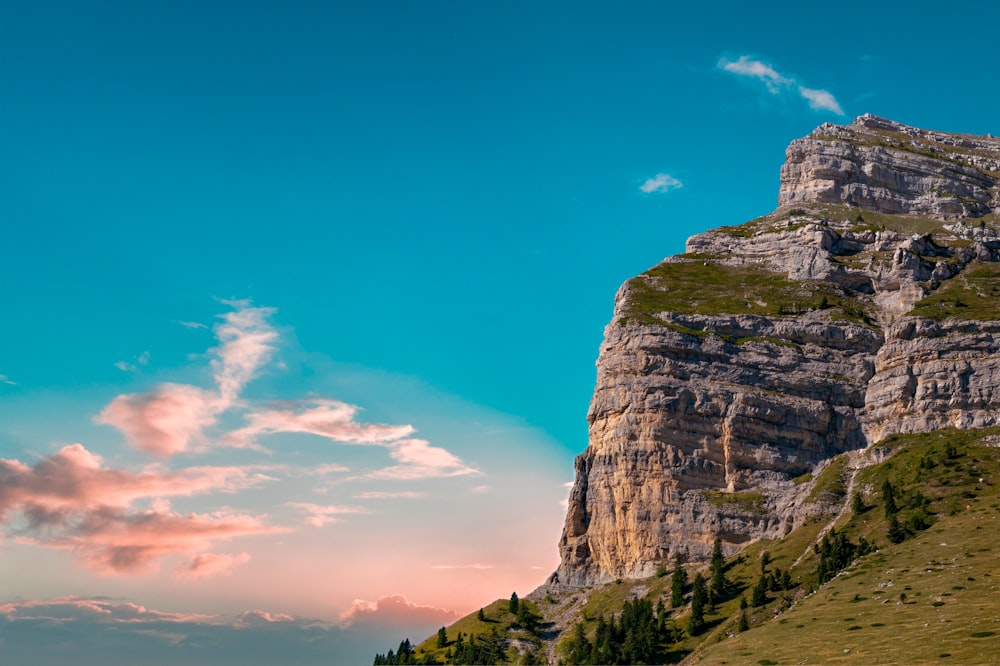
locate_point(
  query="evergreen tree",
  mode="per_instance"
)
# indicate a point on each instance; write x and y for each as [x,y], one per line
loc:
[759,597]
[513,603]
[889,499]
[857,504]
[717,569]
[678,582]
[442,639]
[743,625]
[481,616]
[896,533]
[699,595]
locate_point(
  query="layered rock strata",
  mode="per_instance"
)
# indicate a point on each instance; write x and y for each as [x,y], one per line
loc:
[730,374]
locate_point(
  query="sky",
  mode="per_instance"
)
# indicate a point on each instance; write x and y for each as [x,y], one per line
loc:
[301,300]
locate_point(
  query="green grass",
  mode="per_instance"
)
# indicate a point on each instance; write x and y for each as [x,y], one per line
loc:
[946,572]
[705,287]
[831,484]
[749,501]
[972,294]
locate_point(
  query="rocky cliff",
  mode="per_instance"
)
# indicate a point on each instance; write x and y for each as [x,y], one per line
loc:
[864,306]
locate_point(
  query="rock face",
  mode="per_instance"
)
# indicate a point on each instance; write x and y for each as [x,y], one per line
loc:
[861,308]
[887,167]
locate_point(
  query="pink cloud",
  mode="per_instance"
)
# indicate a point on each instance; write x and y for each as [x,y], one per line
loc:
[393,610]
[319,515]
[172,418]
[165,421]
[73,480]
[71,502]
[326,418]
[113,541]
[212,564]
[419,460]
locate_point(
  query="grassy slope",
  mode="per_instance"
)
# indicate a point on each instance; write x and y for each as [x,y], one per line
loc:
[949,572]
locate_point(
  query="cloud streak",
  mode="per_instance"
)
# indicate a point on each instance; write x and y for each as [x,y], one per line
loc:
[417,459]
[331,419]
[319,515]
[777,83]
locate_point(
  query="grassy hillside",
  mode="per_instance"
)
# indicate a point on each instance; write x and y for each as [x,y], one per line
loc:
[934,597]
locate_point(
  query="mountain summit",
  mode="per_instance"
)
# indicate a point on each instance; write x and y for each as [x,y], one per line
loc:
[864,306]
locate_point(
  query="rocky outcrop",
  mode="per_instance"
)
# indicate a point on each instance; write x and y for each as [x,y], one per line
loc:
[884,166]
[731,373]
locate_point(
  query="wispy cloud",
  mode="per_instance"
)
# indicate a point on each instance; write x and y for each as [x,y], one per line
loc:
[474,565]
[4,379]
[419,460]
[141,359]
[821,100]
[661,182]
[171,418]
[192,324]
[777,83]
[211,564]
[326,418]
[403,494]
[319,515]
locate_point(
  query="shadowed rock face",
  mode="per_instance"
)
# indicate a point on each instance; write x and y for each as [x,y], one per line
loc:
[710,402]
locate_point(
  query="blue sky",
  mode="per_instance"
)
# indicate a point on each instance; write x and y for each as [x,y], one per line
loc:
[422,210]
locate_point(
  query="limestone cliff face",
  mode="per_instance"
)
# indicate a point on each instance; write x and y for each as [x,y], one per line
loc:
[861,308]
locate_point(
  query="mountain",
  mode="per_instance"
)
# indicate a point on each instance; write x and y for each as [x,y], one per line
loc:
[758,394]
[864,306]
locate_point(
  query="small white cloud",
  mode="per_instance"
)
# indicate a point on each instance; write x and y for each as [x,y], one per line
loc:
[192,324]
[125,367]
[746,66]
[661,182]
[143,358]
[479,490]
[821,100]
[776,83]
[474,565]
[4,379]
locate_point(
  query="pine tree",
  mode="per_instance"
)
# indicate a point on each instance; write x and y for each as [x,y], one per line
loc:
[442,639]
[678,582]
[717,569]
[743,624]
[481,616]
[513,603]
[857,504]
[699,595]
[759,597]
[889,499]
[896,533]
